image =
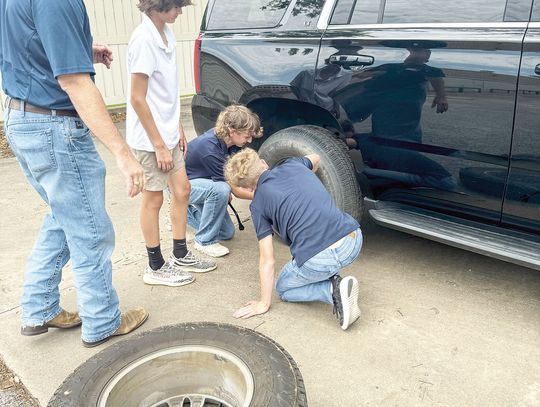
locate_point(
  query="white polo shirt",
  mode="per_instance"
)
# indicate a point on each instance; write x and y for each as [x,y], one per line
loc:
[148,54]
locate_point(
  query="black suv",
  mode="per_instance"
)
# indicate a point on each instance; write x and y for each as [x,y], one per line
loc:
[426,114]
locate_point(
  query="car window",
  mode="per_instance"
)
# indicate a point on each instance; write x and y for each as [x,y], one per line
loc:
[233,14]
[435,11]
[419,11]
[536,11]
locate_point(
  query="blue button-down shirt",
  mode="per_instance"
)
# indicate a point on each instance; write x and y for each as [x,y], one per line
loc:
[39,41]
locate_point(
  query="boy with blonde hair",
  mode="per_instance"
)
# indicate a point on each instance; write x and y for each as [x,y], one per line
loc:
[207,211]
[291,201]
[158,141]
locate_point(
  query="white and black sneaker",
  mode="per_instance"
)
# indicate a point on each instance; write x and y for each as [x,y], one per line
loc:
[191,263]
[345,298]
[167,276]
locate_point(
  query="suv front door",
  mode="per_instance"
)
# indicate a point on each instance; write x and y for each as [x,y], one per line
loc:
[522,197]
[430,90]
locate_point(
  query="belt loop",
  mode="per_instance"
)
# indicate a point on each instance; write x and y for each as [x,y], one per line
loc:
[23,107]
[8,101]
[53,112]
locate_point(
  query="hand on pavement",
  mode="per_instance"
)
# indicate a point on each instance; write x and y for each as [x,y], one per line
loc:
[250,309]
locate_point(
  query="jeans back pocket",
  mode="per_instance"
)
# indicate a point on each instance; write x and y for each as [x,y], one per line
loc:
[33,147]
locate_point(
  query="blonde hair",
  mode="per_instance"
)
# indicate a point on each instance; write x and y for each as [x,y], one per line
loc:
[239,118]
[146,6]
[243,169]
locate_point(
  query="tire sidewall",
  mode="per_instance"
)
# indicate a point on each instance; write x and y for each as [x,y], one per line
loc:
[277,380]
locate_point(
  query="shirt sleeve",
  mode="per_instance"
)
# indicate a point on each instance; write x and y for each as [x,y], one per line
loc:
[263,227]
[432,72]
[140,57]
[64,31]
[306,162]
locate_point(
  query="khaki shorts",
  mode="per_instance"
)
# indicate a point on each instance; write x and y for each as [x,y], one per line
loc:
[155,179]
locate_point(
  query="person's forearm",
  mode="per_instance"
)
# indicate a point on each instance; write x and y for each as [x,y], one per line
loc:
[438,86]
[147,120]
[266,272]
[242,193]
[90,106]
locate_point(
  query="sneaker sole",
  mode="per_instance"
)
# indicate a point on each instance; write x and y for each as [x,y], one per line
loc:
[215,256]
[150,281]
[196,270]
[348,288]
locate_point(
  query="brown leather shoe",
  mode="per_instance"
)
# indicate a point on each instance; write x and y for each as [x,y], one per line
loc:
[130,321]
[64,320]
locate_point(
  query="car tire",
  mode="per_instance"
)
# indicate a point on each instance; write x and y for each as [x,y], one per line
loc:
[335,171]
[225,364]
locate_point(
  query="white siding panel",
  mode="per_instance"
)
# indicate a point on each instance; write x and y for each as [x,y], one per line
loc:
[112,22]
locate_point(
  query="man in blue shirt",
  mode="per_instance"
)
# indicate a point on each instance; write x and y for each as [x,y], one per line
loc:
[291,201]
[46,60]
[206,155]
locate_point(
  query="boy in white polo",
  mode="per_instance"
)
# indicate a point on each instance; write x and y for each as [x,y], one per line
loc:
[157,139]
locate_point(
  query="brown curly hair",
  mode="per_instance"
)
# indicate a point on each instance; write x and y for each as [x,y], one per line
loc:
[243,169]
[239,118]
[146,6]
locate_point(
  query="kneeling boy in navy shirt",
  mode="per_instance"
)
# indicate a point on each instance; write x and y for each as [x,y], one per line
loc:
[291,201]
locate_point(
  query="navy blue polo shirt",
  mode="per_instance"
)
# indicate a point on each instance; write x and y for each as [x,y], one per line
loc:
[291,201]
[39,41]
[206,157]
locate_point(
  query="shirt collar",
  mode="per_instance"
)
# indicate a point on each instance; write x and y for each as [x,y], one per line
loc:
[147,22]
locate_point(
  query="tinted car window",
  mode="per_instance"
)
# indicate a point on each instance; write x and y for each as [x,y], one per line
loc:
[419,11]
[536,11]
[233,14]
[304,14]
[364,13]
[436,11]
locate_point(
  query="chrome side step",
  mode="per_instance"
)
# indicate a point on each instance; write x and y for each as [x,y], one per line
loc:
[491,241]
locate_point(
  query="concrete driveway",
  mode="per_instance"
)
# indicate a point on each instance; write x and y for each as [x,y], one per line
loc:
[440,326]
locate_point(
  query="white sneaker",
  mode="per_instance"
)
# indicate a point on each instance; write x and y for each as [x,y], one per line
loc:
[191,263]
[167,276]
[212,250]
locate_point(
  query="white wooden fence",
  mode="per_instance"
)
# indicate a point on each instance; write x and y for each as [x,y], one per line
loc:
[112,23]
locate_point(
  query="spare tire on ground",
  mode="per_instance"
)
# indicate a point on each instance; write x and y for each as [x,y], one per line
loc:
[198,364]
[336,170]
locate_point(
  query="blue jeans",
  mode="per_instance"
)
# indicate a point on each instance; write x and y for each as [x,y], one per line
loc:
[207,211]
[311,281]
[59,159]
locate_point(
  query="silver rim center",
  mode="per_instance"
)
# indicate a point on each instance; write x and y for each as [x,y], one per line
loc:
[182,376]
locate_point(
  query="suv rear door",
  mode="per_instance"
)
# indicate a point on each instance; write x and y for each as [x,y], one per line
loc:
[407,61]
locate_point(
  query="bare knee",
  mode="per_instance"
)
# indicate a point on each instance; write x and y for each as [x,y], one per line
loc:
[152,200]
[182,191]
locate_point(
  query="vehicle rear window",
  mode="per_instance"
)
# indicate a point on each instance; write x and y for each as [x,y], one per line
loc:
[419,11]
[234,14]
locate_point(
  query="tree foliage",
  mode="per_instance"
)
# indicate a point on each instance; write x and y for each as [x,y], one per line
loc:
[311,8]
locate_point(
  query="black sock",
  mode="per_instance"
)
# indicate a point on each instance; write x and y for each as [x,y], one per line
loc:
[179,248]
[155,258]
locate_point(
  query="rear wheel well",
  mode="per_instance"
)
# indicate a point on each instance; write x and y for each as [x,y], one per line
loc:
[277,114]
